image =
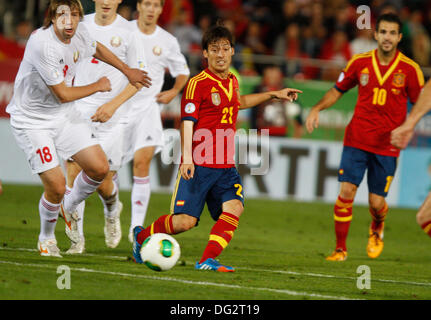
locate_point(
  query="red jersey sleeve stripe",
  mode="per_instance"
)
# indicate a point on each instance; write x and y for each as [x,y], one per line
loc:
[356,57]
[192,85]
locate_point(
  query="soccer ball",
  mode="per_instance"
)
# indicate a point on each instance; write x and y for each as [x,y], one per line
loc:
[160,252]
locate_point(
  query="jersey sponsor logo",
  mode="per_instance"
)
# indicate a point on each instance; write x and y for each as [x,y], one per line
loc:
[215,98]
[75,56]
[116,41]
[190,108]
[399,79]
[157,51]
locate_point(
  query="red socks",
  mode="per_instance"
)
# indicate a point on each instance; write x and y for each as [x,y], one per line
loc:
[342,217]
[427,227]
[162,225]
[378,218]
[220,235]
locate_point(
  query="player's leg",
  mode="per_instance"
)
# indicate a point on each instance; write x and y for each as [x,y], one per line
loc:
[141,187]
[49,208]
[72,170]
[352,169]
[423,217]
[226,203]
[187,203]
[41,153]
[95,167]
[112,207]
[381,170]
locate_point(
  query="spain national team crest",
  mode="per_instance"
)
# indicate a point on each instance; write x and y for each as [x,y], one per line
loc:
[116,41]
[157,50]
[399,79]
[364,77]
[75,56]
[215,98]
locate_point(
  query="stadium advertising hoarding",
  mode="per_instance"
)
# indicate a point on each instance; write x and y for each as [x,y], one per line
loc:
[295,169]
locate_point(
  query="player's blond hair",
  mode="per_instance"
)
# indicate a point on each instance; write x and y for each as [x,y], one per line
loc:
[162,2]
[51,13]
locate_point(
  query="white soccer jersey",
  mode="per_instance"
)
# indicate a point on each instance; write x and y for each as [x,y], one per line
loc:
[47,62]
[161,51]
[119,38]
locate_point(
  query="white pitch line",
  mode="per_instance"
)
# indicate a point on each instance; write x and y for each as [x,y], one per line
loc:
[183,281]
[304,274]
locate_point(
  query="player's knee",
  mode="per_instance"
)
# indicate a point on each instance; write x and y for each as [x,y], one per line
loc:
[55,193]
[348,191]
[423,216]
[237,209]
[184,222]
[98,171]
[141,168]
[376,204]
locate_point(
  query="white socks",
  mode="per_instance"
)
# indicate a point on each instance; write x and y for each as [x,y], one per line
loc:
[48,218]
[110,204]
[83,187]
[140,198]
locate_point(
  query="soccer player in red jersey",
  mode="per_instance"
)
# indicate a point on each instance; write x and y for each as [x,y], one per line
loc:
[386,79]
[207,174]
[400,138]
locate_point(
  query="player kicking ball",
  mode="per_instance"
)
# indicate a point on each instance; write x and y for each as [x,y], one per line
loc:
[45,124]
[386,79]
[207,174]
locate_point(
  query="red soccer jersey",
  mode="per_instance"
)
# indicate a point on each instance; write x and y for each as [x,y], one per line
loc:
[212,103]
[382,99]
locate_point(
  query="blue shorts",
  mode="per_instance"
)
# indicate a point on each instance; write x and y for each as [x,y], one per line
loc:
[212,186]
[381,169]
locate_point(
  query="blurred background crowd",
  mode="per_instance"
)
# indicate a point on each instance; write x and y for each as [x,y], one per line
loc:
[301,39]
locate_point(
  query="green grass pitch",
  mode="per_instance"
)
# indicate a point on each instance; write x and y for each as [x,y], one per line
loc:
[278,251]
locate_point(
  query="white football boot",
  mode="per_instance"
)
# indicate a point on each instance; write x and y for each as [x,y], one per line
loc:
[130,237]
[113,228]
[77,247]
[70,224]
[48,248]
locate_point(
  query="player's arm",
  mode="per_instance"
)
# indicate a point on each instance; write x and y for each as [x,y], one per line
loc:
[329,99]
[135,76]
[107,110]
[68,94]
[254,99]
[187,168]
[401,136]
[166,96]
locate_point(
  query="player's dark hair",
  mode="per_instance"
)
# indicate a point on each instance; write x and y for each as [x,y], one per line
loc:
[389,17]
[51,13]
[215,33]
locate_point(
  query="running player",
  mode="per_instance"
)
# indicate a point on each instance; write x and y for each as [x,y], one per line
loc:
[209,110]
[144,131]
[386,79]
[44,122]
[114,32]
[401,136]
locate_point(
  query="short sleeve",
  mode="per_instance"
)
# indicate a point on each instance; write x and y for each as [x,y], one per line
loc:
[48,61]
[88,42]
[347,78]
[415,83]
[191,101]
[177,63]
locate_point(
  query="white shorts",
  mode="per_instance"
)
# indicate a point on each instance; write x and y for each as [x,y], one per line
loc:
[143,129]
[45,147]
[111,139]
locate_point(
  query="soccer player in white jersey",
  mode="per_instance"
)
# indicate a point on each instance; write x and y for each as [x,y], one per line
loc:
[115,32]
[44,122]
[144,131]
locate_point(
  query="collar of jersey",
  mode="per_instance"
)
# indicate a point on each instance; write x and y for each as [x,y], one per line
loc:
[212,76]
[391,69]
